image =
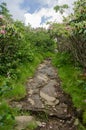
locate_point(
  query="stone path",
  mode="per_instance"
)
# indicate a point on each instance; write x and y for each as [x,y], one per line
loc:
[44,94]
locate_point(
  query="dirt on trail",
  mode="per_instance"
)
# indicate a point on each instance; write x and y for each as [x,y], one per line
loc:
[45,95]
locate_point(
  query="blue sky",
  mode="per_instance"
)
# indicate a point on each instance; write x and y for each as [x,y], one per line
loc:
[30,6]
[36,12]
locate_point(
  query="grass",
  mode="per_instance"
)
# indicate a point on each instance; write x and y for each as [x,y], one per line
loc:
[14,88]
[6,117]
[18,79]
[32,125]
[24,72]
[69,74]
[71,81]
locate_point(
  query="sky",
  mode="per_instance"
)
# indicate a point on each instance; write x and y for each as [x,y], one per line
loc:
[37,12]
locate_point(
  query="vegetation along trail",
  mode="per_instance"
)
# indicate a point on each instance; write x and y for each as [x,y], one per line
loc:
[43,70]
[46,97]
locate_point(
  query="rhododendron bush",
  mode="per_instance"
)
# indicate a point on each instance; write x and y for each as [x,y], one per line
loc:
[78,35]
[2,27]
[13,47]
[71,34]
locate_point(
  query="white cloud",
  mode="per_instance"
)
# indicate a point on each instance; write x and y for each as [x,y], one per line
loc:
[69,3]
[35,19]
[14,8]
[47,2]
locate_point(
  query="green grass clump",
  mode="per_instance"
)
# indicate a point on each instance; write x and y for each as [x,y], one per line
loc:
[14,87]
[84,117]
[71,81]
[32,125]
[81,127]
[7,119]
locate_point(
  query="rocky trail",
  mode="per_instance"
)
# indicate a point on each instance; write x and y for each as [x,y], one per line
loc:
[46,98]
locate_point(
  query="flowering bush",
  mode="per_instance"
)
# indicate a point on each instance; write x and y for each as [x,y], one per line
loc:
[2,27]
[1,16]
[78,34]
[71,35]
[13,46]
[2,31]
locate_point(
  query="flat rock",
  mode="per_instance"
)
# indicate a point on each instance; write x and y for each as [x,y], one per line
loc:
[23,121]
[47,97]
[42,77]
[49,71]
[52,103]
[35,102]
[49,89]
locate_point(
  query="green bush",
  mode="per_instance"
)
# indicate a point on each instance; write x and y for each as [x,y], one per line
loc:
[14,49]
[84,117]
[62,59]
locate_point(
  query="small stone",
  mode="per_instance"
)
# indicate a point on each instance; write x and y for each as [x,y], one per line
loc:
[65,110]
[31,101]
[43,124]
[39,123]
[42,106]
[30,92]
[76,122]
[23,121]
[57,102]
[69,122]
[51,103]
[85,100]
[51,127]
[47,97]
[30,80]
[69,115]
[19,106]
[42,77]
[51,114]
[54,109]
